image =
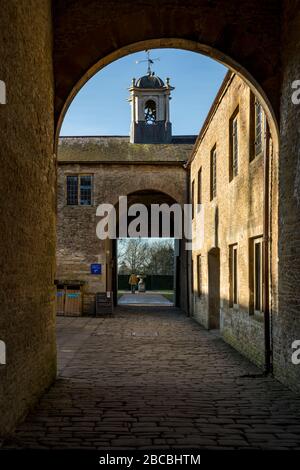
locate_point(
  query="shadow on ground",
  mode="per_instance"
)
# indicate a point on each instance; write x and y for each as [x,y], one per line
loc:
[151,378]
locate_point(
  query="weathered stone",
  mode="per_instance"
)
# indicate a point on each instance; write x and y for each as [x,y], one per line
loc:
[27,201]
[191,381]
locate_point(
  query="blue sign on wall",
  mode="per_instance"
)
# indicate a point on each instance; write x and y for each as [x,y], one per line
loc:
[96,268]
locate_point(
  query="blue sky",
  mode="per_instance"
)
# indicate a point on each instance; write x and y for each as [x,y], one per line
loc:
[101,106]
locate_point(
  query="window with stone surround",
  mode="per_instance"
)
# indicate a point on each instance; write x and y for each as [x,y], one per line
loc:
[79,190]
[234,144]
[256,275]
[213,172]
[233,275]
[199,186]
[256,127]
[199,275]
[193,199]
[193,276]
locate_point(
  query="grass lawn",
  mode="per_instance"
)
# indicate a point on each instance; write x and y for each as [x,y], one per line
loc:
[168,295]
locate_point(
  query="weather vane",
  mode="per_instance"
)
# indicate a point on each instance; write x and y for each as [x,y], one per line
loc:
[149,60]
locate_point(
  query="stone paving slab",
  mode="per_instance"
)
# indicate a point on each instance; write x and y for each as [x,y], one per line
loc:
[144,299]
[151,377]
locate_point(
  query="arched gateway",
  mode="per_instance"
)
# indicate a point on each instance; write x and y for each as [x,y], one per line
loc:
[61,48]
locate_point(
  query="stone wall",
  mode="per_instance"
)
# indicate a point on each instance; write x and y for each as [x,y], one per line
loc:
[243,33]
[27,247]
[287,321]
[77,243]
[89,35]
[234,216]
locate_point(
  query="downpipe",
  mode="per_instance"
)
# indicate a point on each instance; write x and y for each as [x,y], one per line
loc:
[266,258]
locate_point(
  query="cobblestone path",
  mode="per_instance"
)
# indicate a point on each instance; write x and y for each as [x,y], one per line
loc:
[151,378]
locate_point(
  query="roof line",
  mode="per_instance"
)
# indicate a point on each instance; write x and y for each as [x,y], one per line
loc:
[123,136]
[122,162]
[213,109]
[89,136]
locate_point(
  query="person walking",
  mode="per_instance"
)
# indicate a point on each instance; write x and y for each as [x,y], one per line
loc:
[133,281]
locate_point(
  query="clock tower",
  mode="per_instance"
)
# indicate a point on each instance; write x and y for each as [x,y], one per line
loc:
[150,109]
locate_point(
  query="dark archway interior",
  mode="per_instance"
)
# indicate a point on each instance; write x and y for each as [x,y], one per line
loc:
[79,51]
[49,55]
[147,198]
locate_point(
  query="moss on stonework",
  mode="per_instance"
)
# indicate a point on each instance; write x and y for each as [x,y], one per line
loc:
[110,149]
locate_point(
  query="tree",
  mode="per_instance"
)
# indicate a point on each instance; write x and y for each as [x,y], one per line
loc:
[161,258]
[134,254]
[146,257]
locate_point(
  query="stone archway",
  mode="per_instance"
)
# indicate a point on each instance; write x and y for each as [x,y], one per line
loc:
[258,88]
[231,42]
[260,37]
[264,94]
[157,196]
[243,35]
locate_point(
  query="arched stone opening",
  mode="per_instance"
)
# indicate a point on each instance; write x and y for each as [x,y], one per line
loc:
[147,197]
[150,112]
[271,58]
[257,88]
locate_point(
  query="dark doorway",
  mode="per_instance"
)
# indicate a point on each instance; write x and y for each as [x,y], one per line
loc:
[214,288]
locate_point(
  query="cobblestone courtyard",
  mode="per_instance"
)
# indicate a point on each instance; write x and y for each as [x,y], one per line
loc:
[154,378]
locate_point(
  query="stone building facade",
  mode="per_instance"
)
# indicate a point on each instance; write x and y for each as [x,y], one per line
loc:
[227,181]
[46,59]
[116,168]
[222,280]
[147,168]
[224,172]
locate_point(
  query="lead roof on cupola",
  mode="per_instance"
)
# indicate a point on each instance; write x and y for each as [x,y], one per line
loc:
[150,81]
